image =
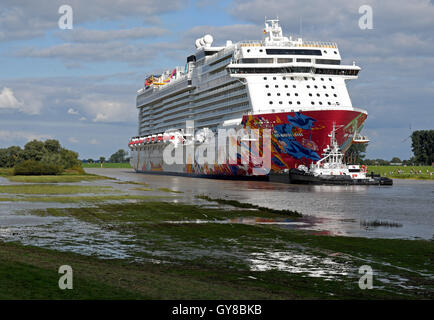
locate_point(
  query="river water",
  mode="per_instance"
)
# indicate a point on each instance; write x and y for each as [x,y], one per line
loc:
[336,210]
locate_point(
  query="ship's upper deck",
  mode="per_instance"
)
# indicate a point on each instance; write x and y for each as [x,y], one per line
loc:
[220,83]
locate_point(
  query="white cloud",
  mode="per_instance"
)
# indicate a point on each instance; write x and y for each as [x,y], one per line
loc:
[87,35]
[73,112]
[82,119]
[8,99]
[25,20]
[93,141]
[28,103]
[72,140]
[15,136]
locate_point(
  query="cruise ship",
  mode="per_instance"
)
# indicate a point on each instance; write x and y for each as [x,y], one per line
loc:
[293,88]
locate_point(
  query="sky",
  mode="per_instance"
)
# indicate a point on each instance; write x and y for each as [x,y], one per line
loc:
[79,85]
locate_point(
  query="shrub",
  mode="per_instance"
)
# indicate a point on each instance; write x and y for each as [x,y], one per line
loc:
[32,167]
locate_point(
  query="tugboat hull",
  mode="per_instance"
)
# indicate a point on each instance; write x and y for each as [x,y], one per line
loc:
[300,177]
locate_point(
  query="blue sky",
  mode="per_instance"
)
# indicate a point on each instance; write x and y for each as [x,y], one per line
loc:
[79,85]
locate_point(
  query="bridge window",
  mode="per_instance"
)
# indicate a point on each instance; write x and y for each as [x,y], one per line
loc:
[284,60]
[328,61]
[304,52]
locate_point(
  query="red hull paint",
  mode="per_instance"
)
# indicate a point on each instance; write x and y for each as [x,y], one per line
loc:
[300,137]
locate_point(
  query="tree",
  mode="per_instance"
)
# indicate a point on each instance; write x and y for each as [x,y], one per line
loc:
[52,145]
[356,153]
[102,159]
[69,158]
[395,160]
[119,156]
[9,156]
[423,146]
[34,150]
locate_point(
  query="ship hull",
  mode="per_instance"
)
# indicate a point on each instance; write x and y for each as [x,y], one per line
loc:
[297,138]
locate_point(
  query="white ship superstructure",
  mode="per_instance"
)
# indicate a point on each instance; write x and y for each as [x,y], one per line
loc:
[223,85]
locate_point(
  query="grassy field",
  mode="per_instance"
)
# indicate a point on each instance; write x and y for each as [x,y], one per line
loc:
[56,179]
[213,260]
[106,165]
[50,189]
[392,171]
[184,251]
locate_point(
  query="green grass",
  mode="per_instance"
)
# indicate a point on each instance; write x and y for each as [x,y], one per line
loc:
[4,172]
[56,179]
[218,254]
[238,204]
[392,171]
[106,165]
[200,260]
[169,190]
[52,189]
[80,199]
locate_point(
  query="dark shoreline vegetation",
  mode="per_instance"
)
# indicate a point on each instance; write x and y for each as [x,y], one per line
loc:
[238,204]
[380,223]
[184,251]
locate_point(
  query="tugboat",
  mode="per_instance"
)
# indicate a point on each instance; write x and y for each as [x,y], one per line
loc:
[331,169]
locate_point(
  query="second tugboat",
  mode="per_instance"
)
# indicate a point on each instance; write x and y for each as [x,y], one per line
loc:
[331,169]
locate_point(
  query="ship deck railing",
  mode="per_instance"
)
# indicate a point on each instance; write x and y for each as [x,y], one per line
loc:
[290,43]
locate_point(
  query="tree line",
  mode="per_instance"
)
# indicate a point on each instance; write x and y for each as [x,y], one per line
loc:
[120,156]
[39,157]
[422,147]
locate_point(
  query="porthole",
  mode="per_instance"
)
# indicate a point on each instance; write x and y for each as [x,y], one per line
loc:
[326,94]
[330,79]
[278,94]
[271,102]
[290,102]
[248,50]
[329,103]
[283,78]
[308,87]
[312,103]
[335,52]
[296,94]
[298,102]
[292,78]
[324,87]
[335,94]
[276,86]
[310,94]
[333,87]
[325,51]
[274,78]
[265,78]
[288,94]
[322,79]
[320,103]
[286,86]
[294,86]
[316,87]
[267,86]
[268,94]
[317,94]
[313,79]
[260,50]
[280,102]
[305,78]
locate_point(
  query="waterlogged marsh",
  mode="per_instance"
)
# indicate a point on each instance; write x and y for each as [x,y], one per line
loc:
[256,252]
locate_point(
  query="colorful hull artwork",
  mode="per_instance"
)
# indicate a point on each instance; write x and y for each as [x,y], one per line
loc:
[296,138]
